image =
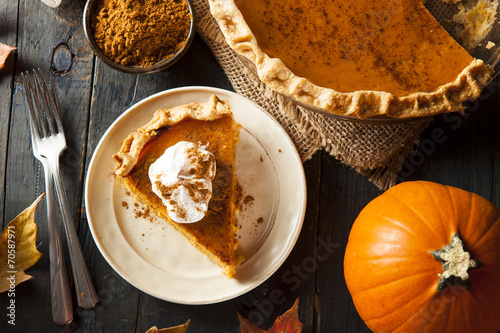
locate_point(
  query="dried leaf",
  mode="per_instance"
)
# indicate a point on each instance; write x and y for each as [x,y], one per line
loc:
[288,322]
[18,250]
[4,53]
[176,329]
[247,327]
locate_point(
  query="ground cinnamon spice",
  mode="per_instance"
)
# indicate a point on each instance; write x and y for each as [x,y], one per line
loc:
[140,33]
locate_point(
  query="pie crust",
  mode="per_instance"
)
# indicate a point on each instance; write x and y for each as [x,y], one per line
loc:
[466,85]
[209,124]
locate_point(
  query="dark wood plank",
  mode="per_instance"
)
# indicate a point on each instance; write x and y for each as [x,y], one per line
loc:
[116,312]
[343,194]
[495,195]
[460,150]
[8,36]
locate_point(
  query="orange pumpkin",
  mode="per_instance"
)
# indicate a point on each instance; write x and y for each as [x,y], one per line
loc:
[425,257]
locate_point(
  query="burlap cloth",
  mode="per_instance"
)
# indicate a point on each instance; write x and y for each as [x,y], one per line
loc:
[374,150]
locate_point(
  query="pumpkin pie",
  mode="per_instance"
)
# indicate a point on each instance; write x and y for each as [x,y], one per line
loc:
[360,58]
[211,126]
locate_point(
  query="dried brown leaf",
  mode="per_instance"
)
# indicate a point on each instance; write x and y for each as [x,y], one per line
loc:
[18,250]
[288,322]
[176,329]
[4,53]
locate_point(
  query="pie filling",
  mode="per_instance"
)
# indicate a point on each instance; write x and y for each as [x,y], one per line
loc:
[357,45]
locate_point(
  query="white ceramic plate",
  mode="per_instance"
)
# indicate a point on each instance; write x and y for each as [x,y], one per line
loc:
[153,257]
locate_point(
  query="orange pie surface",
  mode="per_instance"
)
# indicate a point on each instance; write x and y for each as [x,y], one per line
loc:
[361,58]
[214,235]
[391,46]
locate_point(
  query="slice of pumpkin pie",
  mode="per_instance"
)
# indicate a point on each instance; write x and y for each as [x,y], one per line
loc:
[181,165]
[358,58]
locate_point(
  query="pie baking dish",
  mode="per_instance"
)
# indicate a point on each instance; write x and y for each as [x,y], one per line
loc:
[357,59]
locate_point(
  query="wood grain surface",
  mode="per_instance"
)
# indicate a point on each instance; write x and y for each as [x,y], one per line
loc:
[456,150]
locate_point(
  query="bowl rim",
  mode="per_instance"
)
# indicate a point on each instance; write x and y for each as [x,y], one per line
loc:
[157,67]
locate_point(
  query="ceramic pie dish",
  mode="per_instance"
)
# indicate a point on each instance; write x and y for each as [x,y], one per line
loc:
[154,257]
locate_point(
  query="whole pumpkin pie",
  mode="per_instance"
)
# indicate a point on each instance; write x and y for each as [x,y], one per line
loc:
[153,149]
[358,58]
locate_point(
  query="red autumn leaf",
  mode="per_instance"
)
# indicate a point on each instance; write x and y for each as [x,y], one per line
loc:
[287,323]
[4,53]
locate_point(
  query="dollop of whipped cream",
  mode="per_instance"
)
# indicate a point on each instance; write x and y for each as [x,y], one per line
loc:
[182,178]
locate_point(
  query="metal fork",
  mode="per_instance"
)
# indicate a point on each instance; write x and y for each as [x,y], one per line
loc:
[48,138]
[62,309]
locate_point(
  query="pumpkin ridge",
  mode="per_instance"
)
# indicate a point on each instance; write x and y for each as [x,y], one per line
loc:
[487,231]
[472,202]
[431,272]
[444,219]
[419,258]
[459,224]
[426,328]
[482,299]
[452,200]
[481,239]
[385,285]
[382,257]
[476,309]
[395,223]
[425,301]
[446,313]
[489,244]
[421,218]
[463,313]
[450,310]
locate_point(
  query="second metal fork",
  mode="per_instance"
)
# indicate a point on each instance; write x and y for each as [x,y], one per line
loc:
[48,134]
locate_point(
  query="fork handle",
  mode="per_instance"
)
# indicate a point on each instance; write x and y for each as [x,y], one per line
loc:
[62,309]
[85,291]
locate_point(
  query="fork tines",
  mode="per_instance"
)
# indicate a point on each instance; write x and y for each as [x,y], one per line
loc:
[42,100]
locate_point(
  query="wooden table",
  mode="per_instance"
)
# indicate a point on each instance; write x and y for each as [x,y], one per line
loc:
[92,96]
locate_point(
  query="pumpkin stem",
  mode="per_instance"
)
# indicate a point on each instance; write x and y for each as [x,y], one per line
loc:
[456,264]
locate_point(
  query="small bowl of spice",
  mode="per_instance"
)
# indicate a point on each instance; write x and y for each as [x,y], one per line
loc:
[139,37]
